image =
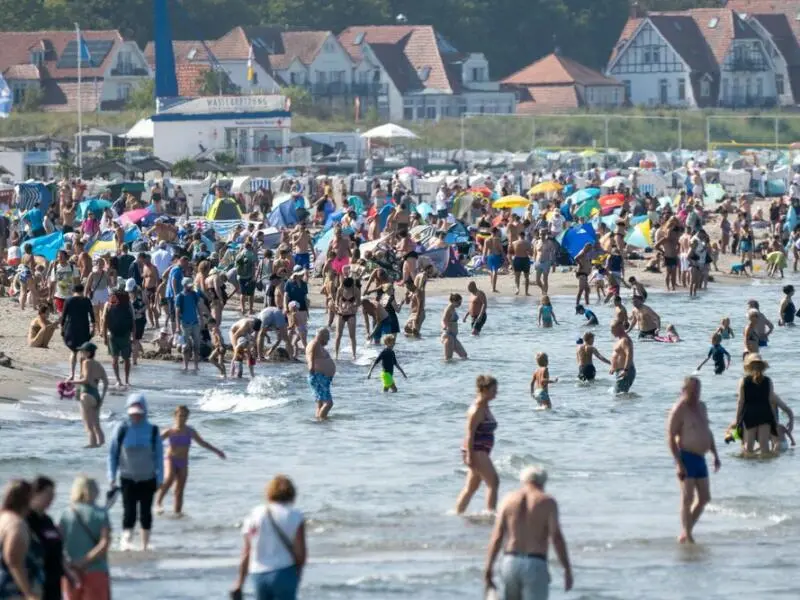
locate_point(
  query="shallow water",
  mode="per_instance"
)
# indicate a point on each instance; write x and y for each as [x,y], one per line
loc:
[378,482]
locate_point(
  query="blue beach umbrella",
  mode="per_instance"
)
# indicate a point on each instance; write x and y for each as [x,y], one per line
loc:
[583,195]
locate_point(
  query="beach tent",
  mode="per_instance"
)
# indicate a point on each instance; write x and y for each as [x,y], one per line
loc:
[424,210]
[587,209]
[47,246]
[283,215]
[383,215]
[333,218]
[93,205]
[224,209]
[28,194]
[356,204]
[575,238]
[639,235]
[714,192]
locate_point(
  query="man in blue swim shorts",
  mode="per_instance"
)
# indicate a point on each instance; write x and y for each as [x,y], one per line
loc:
[321,370]
[493,253]
[689,439]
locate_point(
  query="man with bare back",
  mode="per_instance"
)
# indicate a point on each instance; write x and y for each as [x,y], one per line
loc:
[622,359]
[477,308]
[526,524]
[520,252]
[493,255]
[321,370]
[689,439]
[668,246]
[583,261]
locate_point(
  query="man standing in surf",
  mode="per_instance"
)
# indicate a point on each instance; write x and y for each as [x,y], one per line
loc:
[622,359]
[321,370]
[689,439]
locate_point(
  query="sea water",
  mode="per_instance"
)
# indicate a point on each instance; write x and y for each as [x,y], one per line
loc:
[378,482]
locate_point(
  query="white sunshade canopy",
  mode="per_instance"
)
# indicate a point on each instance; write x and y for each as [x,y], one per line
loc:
[142,130]
[388,132]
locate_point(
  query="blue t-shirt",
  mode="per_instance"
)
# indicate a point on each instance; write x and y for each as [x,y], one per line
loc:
[297,291]
[187,303]
[74,523]
[35,218]
[175,281]
[590,316]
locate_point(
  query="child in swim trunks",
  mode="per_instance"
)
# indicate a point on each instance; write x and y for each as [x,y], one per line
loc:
[217,356]
[388,361]
[244,350]
[541,380]
[724,330]
[546,315]
[298,326]
[720,356]
[584,354]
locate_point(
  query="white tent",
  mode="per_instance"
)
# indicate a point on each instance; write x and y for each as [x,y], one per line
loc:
[143,130]
[388,132]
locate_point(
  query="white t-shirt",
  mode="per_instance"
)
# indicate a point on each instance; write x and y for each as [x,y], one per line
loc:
[162,259]
[267,552]
[441,201]
[64,277]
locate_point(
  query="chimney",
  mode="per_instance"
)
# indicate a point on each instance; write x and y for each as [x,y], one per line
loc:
[635,12]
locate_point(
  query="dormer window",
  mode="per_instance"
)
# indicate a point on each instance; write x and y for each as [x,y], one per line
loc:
[478,74]
[37,57]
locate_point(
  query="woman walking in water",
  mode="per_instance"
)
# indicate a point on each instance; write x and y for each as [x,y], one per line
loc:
[450,329]
[179,438]
[346,303]
[478,444]
[755,415]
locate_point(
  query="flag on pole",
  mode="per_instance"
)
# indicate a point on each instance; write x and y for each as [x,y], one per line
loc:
[84,56]
[251,74]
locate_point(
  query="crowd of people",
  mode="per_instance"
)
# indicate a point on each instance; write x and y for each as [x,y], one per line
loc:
[176,284]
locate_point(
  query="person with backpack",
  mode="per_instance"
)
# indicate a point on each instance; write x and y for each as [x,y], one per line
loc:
[137,455]
[245,272]
[118,331]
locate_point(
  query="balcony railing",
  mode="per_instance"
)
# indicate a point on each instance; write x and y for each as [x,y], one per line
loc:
[121,71]
[279,157]
[339,88]
[742,63]
[748,101]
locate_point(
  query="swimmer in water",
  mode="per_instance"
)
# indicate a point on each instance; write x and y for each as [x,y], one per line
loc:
[671,337]
[584,354]
[725,330]
[591,318]
[541,380]
[786,312]
[546,315]
[720,356]
[388,360]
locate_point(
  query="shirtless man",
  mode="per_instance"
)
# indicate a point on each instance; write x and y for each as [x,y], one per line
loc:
[763,326]
[150,281]
[646,318]
[164,232]
[684,247]
[584,264]
[668,246]
[493,254]
[321,370]
[303,246]
[520,252]
[622,359]
[620,312]
[514,231]
[689,438]
[477,308]
[244,329]
[545,255]
[525,525]
[83,261]
[67,211]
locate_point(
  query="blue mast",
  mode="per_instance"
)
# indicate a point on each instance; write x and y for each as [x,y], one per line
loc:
[166,81]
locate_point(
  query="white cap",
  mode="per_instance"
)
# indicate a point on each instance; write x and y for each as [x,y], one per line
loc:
[130,285]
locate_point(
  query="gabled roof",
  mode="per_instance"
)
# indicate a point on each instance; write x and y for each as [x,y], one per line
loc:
[273,48]
[184,50]
[22,72]
[779,29]
[547,99]
[420,47]
[555,69]
[16,46]
[789,8]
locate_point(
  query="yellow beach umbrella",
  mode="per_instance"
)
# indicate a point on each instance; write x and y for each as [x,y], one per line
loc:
[511,202]
[545,187]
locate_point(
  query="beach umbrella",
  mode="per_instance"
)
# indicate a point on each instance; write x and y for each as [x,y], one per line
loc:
[412,171]
[134,216]
[462,205]
[545,187]
[47,246]
[356,204]
[615,182]
[481,190]
[588,208]
[94,205]
[424,210]
[575,238]
[389,131]
[611,201]
[584,195]
[511,202]
[639,235]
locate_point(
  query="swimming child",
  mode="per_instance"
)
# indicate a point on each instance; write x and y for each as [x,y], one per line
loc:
[541,380]
[217,356]
[720,356]
[176,469]
[787,308]
[591,318]
[546,315]
[598,277]
[584,354]
[388,361]
[725,330]
[671,337]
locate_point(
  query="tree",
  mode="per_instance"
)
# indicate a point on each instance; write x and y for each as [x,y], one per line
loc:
[65,163]
[143,97]
[214,83]
[31,100]
[226,160]
[183,168]
[300,98]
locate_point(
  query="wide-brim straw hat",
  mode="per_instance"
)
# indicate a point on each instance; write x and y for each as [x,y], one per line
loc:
[755,359]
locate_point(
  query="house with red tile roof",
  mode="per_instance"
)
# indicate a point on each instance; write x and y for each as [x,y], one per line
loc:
[556,83]
[47,60]
[426,77]
[695,58]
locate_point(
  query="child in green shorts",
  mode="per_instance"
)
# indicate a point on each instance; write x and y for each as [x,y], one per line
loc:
[388,362]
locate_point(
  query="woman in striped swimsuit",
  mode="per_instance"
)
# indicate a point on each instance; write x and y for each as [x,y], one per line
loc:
[176,469]
[478,445]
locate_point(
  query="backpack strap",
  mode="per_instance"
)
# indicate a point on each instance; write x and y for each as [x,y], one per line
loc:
[123,431]
[153,438]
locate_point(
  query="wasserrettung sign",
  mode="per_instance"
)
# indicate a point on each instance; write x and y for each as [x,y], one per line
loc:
[228,104]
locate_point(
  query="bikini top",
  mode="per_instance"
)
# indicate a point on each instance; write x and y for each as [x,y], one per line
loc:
[181,440]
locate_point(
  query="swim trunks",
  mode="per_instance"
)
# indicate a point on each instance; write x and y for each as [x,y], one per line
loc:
[670,261]
[542,397]
[587,372]
[694,465]
[120,345]
[649,334]
[525,576]
[762,343]
[494,262]
[478,323]
[321,386]
[248,286]
[387,379]
[303,259]
[543,266]
[625,380]
[521,264]
[338,264]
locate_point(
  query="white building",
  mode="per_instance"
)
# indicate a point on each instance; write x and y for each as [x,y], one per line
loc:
[695,58]
[425,77]
[255,129]
[48,61]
